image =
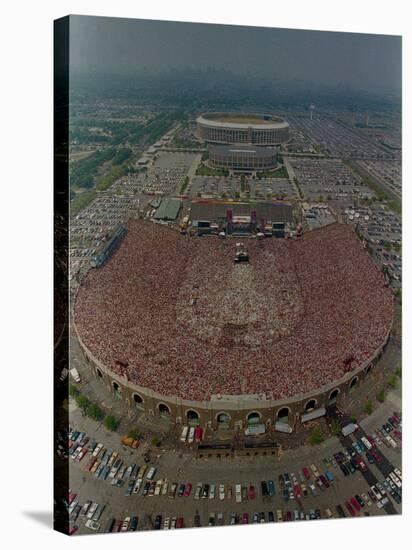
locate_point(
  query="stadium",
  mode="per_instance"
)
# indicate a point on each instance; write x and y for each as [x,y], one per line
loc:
[175,327]
[242,128]
[242,158]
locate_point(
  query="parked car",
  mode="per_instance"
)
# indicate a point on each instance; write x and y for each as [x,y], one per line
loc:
[172,490]
[158,522]
[271,488]
[125,525]
[355,503]
[94,525]
[350,509]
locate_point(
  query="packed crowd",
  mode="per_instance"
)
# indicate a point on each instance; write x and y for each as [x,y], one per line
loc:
[188,322]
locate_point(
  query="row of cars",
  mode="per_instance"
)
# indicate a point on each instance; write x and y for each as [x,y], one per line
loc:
[191,434]
[365,450]
[218,518]
[107,465]
[90,512]
[377,494]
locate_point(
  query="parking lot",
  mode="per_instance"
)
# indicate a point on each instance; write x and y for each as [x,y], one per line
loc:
[327,178]
[301,484]
[335,139]
[383,231]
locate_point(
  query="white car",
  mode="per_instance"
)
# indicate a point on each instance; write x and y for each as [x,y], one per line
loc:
[191,436]
[137,486]
[395,480]
[212,491]
[198,491]
[151,473]
[166,524]
[164,488]
[97,449]
[75,373]
[183,437]
[158,487]
[221,492]
[125,524]
[391,441]
[173,524]
[91,510]
[94,525]
[398,473]
[238,492]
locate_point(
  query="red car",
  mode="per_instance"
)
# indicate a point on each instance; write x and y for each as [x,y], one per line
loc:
[117,526]
[371,440]
[179,523]
[324,480]
[245,518]
[297,490]
[90,465]
[252,492]
[306,473]
[355,504]
[73,529]
[350,509]
[198,433]
[288,516]
[376,455]
[187,490]
[361,465]
[71,497]
[82,453]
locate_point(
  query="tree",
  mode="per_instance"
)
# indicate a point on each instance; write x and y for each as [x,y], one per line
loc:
[316,436]
[94,411]
[134,434]
[335,427]
[73,391]
[82,402]
[369,406]
[393,382]
[111,423]
[381,396]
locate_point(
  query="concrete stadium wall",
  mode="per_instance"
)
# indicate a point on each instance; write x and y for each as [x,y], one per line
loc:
[237,408]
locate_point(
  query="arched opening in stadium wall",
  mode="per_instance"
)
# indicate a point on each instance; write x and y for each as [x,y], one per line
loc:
[253,418]
[164,410]
[193,418]
[116,390]
[353,383]
[310,405]
[333,396]
[283,415]
[223,420]
[138,401]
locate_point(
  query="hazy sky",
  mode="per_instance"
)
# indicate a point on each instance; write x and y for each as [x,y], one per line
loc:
[360,61]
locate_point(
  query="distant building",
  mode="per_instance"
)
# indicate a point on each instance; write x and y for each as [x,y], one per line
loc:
[242,128]
[242,157]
